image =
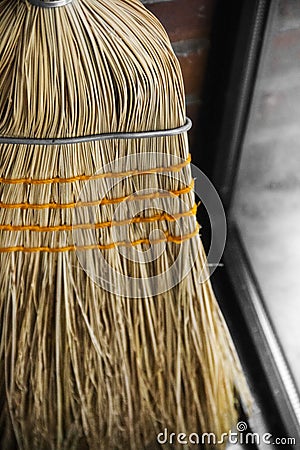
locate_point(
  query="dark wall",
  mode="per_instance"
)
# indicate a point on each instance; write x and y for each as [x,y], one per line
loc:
[188,23]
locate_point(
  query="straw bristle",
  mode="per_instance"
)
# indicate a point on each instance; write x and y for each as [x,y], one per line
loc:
[83,366]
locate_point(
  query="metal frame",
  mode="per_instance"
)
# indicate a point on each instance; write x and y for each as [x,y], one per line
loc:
[274,367]
[237,40]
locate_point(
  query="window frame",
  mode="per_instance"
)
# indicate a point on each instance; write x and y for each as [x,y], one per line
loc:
[236,44]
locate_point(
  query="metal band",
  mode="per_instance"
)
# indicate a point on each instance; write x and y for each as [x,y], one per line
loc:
[97,137]
[50,3]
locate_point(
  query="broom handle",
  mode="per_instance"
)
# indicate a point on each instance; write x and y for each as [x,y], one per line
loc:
[50,3]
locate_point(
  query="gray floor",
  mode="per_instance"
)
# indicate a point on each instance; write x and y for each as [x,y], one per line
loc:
[267,200]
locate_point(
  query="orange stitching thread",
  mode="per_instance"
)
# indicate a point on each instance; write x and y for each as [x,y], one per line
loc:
[168,238]
[104,201]
[89,226]
[175,168]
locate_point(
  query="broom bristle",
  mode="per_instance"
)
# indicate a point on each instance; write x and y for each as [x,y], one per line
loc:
[85,362]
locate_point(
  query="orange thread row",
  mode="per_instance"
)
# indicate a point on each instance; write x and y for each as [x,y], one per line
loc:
[89,226]
[174,168]
[168,238]
[104,201]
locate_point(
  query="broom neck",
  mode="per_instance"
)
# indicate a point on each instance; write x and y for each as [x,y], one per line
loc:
[50,3]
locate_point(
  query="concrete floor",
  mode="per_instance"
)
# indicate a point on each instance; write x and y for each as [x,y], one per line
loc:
[267,200]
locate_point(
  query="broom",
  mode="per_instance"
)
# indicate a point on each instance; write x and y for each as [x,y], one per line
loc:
[108,337]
